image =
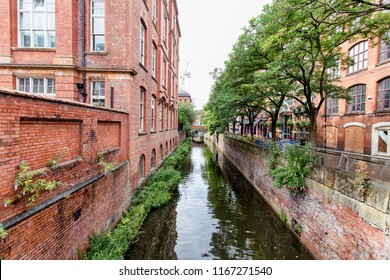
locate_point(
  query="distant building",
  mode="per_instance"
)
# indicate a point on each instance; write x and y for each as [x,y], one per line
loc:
[184,96]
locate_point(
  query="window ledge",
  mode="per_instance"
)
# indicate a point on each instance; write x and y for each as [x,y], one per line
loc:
[142,133]
[63,165]
[380,112]
[354,113]
[103,53]
[357,71]
[109,151]
[143,67]
[382,62]
[153,131]
[26,49]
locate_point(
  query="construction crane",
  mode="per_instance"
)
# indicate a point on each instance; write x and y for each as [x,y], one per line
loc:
[186,75]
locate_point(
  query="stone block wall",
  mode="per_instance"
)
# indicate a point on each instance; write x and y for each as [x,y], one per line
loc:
[337,220]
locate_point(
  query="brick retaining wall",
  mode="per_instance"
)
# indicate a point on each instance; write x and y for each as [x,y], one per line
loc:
[337,223]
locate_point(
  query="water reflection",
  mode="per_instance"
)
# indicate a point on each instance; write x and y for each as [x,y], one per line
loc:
[216,215]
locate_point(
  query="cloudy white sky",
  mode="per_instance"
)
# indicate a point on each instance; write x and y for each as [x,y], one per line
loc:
[209,29]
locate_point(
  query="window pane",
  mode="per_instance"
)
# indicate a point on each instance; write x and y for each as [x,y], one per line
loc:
[98,43]
[98,25]
[25,20]
[98,7]
[383,141]
[39,39]
[51,86]
[24,85]
[51,39]
[51,21]
[38,21]
[25,39]
[50,5]
[39,5]
[38,86]
[25,5]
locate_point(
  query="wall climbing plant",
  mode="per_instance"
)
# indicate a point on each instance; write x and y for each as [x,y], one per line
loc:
[298,162]
[29,188]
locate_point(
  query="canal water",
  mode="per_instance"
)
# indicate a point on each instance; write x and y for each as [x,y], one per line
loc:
[215,215]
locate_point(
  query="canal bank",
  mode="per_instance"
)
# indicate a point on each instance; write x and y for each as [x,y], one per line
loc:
[334,220]
[216,214]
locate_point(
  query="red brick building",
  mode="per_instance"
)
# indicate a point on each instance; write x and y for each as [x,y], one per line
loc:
[361,125]
[184,96]
[115,54]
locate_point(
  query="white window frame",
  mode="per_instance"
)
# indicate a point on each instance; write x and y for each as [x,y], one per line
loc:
[359,55]
[142,43]
[48,90]
[142,110]
[98,99]
[154,11]
[37,21]
[334,72]
[376,129]
[160,114]
[94,35]
[153,108]
[154,60]
[163,74]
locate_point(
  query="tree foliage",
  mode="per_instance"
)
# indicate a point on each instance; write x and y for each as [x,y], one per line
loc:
[285,53]
[186,116]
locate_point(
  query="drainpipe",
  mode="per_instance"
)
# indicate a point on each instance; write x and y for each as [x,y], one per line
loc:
[83,54]
[112,98]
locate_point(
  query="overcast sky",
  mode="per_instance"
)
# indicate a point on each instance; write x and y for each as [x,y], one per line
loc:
[209,30]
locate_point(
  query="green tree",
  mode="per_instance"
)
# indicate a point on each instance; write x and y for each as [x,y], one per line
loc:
[186,116]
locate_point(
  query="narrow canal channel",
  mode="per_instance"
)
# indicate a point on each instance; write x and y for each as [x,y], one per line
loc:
[215,215]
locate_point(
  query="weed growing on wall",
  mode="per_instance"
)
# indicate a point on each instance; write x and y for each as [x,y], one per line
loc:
[29,188]
[362,178]
[283,217]
[56,160]
[298,162]
[107,166]
[3,232]
[112,245]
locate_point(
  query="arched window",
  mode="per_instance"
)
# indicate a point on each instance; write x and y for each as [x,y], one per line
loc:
[161,152]
[359,57]
[153,159]
[141,169]
[383,99]
[357,104]
[166,148]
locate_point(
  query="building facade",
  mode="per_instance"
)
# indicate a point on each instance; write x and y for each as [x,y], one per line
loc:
[122,55]
[361,124]
[184,96]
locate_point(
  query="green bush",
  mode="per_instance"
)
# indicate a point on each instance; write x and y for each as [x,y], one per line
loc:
[112,245]
[299,161]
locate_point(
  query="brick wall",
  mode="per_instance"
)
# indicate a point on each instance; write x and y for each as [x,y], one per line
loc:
[37,130]
[337,222]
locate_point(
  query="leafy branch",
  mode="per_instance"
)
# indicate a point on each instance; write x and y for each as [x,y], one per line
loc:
[29,188]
